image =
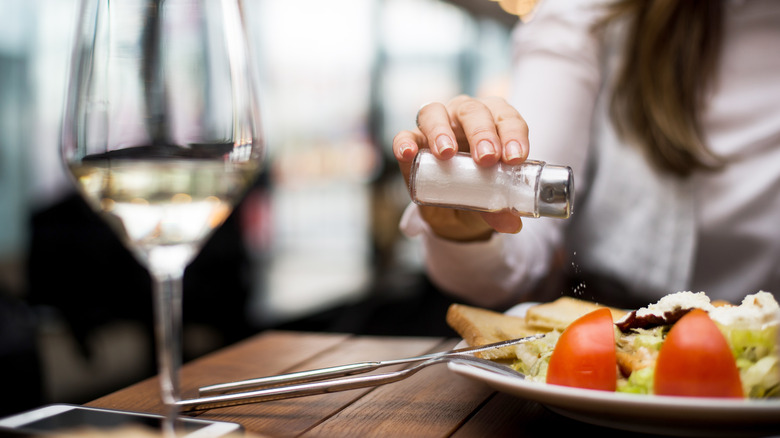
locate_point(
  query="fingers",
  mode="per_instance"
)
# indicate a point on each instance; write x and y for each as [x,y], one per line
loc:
[475,120]
[503,222]
[433,121]
[492,128]
[512,130]
[489,128]
[406,144]
[469,226]
[456,225]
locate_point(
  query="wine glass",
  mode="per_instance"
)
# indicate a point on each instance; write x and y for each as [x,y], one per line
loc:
[161,133]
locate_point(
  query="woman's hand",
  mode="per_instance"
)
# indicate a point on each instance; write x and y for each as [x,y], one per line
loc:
[491,130]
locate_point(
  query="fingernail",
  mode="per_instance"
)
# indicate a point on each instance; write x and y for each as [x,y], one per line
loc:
[513,150]
[524,148]
[444,144]
[485,148]
[406,147]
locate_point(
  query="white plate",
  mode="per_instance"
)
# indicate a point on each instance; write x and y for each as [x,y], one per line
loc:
[639,413]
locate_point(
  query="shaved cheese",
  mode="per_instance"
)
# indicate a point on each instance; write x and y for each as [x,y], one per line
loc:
[756,311]
[674,302]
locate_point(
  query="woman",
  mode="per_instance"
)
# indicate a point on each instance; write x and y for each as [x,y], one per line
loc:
[668,113]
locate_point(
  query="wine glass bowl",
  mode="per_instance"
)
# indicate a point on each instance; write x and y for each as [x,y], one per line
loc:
[162,208]
[162,135]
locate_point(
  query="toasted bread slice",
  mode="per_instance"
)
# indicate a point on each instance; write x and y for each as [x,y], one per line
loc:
[481,326]
[558,314]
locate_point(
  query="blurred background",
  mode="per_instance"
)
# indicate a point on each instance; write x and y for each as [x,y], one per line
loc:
[314,245]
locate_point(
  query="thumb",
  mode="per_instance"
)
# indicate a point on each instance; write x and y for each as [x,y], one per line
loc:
[503,222]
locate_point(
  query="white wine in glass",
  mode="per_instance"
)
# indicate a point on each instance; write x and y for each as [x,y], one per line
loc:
[161,134]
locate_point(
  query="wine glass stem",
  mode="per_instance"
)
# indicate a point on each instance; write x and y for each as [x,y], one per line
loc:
[167,289]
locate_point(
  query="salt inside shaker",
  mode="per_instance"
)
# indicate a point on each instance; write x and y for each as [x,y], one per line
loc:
[532,189]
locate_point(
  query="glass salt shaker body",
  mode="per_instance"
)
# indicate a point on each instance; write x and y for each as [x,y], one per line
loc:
[531,189]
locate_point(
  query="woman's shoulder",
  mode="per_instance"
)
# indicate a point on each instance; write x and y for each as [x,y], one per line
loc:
[561,17]
[561,26]
[583,11]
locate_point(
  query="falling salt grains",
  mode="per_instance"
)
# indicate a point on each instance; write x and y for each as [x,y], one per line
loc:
[532,188]
[580,289]
[574,267]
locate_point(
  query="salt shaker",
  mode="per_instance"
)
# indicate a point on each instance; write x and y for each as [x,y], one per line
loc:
[532,189]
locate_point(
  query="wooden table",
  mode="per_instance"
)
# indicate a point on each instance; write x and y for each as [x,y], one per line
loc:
[432,403]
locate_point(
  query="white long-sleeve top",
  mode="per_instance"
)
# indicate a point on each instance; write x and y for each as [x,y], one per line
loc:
[654,233]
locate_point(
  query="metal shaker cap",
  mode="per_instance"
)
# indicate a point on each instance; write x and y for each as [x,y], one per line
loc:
[556,191]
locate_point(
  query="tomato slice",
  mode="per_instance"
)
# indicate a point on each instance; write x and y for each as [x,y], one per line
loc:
[695,360]
[585,356]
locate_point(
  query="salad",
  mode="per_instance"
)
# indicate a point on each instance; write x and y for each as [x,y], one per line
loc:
[683,345]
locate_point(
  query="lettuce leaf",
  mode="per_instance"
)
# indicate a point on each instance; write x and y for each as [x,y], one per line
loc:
[534,356]
[756,353]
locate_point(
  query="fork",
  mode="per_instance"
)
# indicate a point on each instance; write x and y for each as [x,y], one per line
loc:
[350,369]
[337,385]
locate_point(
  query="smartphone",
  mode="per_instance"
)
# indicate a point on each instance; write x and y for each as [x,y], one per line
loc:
[62,417]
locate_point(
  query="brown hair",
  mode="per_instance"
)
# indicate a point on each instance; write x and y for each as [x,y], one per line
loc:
[670,61]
